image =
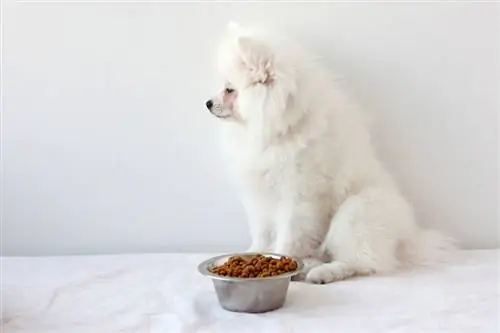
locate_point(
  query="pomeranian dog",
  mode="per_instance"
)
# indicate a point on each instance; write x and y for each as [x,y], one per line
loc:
[310,181]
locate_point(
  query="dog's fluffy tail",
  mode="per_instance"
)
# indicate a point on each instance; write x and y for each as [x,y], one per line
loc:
[426,248]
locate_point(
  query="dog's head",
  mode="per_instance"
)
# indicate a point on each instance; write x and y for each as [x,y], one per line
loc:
[259,79]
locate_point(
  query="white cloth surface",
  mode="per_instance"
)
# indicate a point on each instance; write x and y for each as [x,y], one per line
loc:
[164,293]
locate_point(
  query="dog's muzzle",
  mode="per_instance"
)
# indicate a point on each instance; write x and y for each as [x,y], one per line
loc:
[216,110]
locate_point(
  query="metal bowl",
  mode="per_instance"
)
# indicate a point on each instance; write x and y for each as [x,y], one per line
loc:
[252,295]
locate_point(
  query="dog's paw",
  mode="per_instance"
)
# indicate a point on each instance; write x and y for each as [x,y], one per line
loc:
[319,276]
[309,263]
[325,274]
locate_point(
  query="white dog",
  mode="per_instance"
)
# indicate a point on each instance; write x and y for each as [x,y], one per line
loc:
[310,181]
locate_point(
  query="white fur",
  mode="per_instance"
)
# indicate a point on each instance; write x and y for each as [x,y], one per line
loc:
[309,177]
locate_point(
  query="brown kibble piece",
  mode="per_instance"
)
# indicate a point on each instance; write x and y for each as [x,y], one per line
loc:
[257,266]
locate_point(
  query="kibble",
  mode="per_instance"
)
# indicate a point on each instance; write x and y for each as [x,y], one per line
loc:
[256,266]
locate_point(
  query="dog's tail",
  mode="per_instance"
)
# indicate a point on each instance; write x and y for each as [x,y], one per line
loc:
[427,247]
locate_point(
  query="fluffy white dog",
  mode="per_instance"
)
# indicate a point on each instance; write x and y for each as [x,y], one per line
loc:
[310,180]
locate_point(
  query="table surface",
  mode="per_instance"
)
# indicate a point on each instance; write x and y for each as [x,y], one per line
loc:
[165,293]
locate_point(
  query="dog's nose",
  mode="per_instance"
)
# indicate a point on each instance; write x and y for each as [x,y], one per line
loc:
[209,104]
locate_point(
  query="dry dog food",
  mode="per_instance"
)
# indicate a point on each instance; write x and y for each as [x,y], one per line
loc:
[257,266]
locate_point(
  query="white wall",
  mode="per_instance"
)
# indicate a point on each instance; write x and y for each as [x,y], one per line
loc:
[107,146]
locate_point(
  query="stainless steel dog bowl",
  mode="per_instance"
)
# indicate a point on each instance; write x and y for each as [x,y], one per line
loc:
[252,295]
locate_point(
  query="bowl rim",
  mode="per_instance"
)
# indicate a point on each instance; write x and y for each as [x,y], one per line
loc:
[203,267]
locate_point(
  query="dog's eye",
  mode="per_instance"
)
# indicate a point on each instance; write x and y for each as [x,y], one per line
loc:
[229,91]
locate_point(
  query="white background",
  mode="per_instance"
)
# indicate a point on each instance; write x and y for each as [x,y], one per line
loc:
[107,146]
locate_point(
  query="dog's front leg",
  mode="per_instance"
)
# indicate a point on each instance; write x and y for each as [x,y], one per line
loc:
[300,229]
[261,233]
[261,226]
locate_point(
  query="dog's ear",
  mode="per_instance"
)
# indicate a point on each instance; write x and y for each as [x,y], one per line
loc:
[257,60]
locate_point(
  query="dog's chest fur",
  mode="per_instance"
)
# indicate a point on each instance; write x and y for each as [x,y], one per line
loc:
[270,168]
[284,169]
